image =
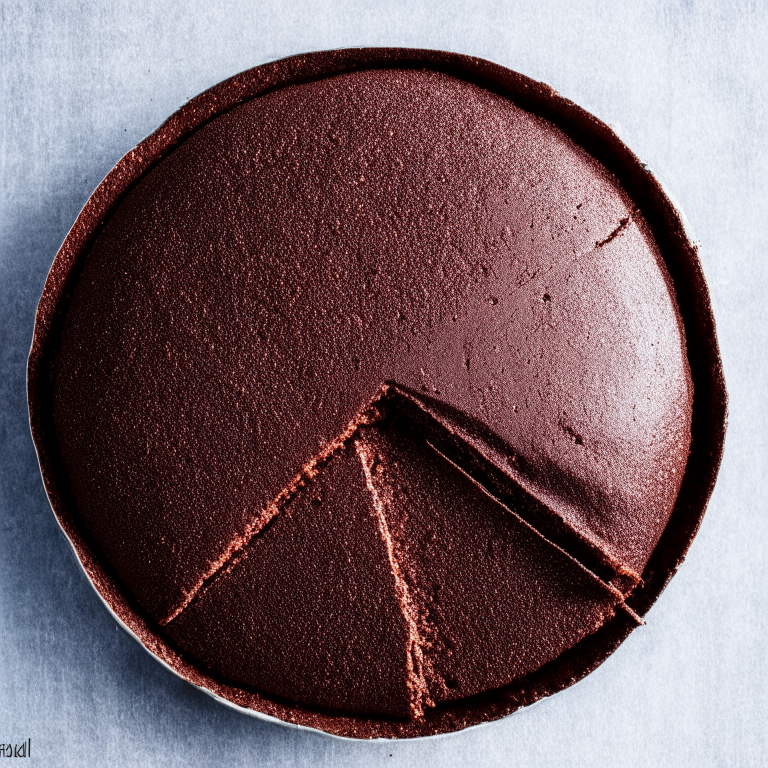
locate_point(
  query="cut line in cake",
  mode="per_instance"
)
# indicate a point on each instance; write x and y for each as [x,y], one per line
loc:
[477,453]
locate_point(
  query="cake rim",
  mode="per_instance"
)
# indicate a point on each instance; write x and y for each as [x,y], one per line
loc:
[679,253]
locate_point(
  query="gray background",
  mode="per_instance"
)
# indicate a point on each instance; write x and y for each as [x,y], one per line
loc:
[687,82]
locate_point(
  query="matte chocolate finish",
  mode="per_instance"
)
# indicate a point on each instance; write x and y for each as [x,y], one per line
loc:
[212,348]
[310,610]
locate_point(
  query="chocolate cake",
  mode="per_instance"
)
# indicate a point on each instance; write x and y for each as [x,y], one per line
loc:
[378,391]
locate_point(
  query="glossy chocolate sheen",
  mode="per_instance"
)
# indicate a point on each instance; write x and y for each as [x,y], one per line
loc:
[376,393]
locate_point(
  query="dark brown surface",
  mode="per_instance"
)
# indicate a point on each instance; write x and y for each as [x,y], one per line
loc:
[251,293]
[257,287]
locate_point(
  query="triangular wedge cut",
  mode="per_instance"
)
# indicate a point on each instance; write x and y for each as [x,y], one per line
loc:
[310,612]
[496,599]
[480,452]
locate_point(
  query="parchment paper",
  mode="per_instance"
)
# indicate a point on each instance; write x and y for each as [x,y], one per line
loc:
[687,85]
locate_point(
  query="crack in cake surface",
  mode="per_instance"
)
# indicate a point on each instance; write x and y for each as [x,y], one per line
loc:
[415,658]
[557,265]
[623,224]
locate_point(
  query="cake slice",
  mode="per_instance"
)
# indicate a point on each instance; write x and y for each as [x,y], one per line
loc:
[495,599]
[309,611]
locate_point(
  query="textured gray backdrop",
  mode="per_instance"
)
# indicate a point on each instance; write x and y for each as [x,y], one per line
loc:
[687,85]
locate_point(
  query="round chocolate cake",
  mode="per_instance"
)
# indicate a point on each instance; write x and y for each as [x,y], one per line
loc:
[378,391]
